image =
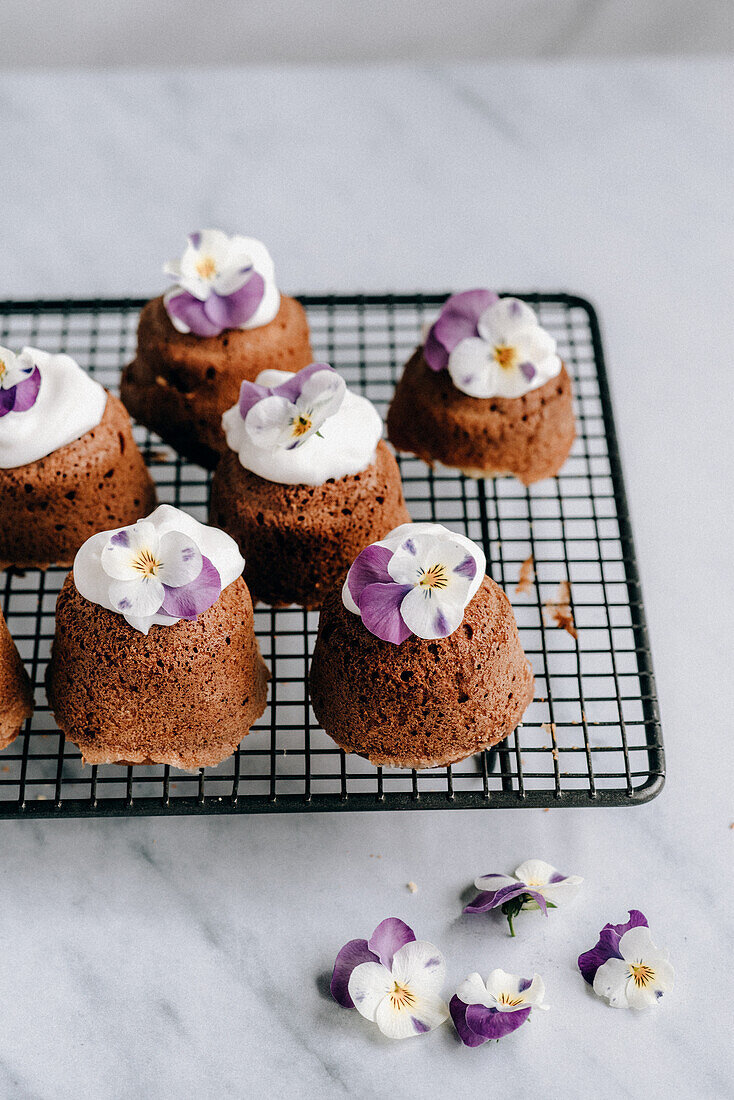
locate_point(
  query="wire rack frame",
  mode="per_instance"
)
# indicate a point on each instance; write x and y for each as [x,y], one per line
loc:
[592,735]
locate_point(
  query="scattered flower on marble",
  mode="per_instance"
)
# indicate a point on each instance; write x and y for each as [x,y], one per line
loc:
[421,585]
[625,967]
[222,282]
[154,574]
[491,346]
[393,980]
[289,414]
[535,885]
[490,1011]
[20,381]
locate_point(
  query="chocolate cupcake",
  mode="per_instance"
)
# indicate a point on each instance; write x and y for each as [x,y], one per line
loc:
[306,484]
[68,461]
[486,394]
[222,322]
[16,694]
[155,659]
[418,662]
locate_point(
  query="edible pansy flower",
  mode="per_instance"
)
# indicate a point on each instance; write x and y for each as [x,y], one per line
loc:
[152,574]
[535,885]
[222,282]
[418,580]
[392,979]
[492,347]
[625,967]
[20,381]
[289,414]
[483,1011]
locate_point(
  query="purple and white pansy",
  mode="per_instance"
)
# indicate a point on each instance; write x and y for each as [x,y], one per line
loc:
[490,1010]
[393,980]
[491,346]
[418,580]
[535,885]
[20,381]
[222,283]
[625,967]
[286,415]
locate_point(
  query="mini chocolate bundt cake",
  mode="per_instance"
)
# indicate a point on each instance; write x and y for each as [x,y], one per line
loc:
[155,659]
[486,394]
[307,484]
[199,341]
[418,662]
[68,464]
[16,694]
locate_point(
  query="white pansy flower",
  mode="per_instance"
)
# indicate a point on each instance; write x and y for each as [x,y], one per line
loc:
[404,999]
[141,564]
[640,977]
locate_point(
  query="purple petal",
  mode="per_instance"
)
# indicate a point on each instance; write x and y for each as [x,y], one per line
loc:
[193,599]
[528,370]
[389,936]
[457,322]
[492,899]
[26,391]
[195,239]
[188,309]
[7,400]
[468,1037]
[250,394]
[440,625]
[369,567]
[292,388]
[350,956]
[608,945]
[419,1026]
[492,1024]
[121,538]
[379,606]
[235,309]
[467,567]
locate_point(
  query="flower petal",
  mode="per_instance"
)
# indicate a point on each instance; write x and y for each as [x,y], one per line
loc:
[26,391]
[535,872]
[235,309]
[493,899]
[430,614]
[469,1038]
[369,567]
[250,394]
[139,597]
[645,996]
[267,422]
[390,935]
[427,1012]
[322,394]
[607,946]
[191,600]
[473,991]
[380,608]
[491,1024]
[457,321]
[351,955]
[473,368]
[636,944]
[368,985]
[293,386]
[610,982]
[180,559]
[419,965]
[495,882]
[505,318]
[187,313]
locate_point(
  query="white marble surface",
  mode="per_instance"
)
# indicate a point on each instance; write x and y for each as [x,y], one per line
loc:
[157,958]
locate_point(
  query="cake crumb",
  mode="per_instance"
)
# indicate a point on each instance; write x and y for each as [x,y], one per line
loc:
[527,576]
[546,810]
[157,457]
[412,887]
[558,611]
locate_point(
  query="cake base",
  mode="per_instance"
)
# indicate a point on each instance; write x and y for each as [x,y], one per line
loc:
[180,384]
[16,693]
[421,704]
[529,437]
[298,541]
[50,507]
[183,695]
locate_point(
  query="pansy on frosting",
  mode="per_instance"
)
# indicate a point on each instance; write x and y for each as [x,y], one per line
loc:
[490,1010]
[418,580]
[221,282]
[535,885]
[491,346]
[625,967]
[20,381]
[392,979]
[159,570]
[290,413]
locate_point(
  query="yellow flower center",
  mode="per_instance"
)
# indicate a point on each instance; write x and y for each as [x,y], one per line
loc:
[3,369]
[505,356]
[435,577]
[641,974]
[511,1002]
[401,998]
[301,425]
[146,564]
[206,267]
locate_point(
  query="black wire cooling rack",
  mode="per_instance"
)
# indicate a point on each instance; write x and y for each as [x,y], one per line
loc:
[591,737]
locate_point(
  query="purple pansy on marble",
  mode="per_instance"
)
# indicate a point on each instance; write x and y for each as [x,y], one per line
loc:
[483,1011]
[418,580]
[535,885]
[625,967]
[151,574]
[20,381]
[289,414]
[392,979]
[221,283]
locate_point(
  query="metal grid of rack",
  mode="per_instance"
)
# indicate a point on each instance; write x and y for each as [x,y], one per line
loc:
[592,735]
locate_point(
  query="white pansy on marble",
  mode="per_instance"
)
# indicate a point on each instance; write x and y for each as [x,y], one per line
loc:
[490,1010]
[625,967]
[535,885]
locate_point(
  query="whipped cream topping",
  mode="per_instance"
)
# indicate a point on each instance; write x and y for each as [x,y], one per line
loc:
[344,445]
[68,405]
[99,584]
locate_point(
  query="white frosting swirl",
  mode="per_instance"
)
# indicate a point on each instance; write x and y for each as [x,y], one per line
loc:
[93,582]
[69,404]
[345,445]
